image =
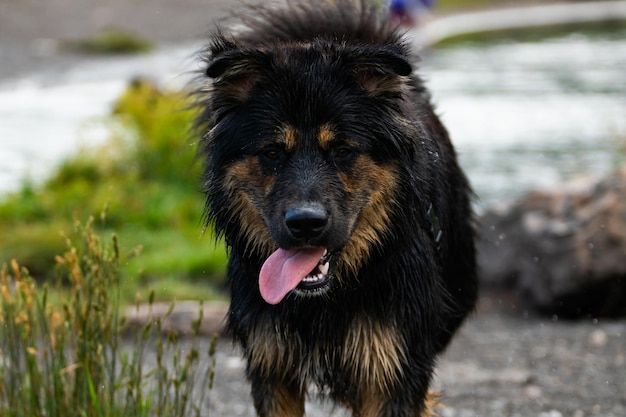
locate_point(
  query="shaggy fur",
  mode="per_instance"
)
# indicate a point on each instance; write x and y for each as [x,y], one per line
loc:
[318,134]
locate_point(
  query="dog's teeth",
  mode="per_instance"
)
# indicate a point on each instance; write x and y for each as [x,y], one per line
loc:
[323,268]
[314,278]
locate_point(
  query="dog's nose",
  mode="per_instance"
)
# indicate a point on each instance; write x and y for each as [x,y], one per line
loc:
[307,221]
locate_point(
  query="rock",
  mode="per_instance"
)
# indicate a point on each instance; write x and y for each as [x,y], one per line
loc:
[563,250]
[180,316]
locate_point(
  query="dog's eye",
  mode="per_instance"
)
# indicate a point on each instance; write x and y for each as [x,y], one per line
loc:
[342,152]
[272,154]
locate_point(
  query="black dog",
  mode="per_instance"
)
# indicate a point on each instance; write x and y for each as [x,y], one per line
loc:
[347,217]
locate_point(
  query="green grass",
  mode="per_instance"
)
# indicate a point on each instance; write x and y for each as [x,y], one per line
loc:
[68,358]
[110,41]
[147,176]
[535,34]
[445,5]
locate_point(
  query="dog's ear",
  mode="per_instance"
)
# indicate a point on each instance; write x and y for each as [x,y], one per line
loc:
[234,70]
[379,70]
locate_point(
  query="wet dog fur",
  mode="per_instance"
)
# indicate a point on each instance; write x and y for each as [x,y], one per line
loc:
[318,134]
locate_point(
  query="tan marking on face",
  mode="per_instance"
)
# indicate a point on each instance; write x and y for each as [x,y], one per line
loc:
[290,137]
[376,354]
[325,135]
[244,184]
[381,183]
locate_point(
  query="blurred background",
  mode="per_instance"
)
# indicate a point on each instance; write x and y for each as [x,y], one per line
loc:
[92,115]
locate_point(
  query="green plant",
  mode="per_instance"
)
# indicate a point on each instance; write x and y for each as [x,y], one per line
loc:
[111,41]
[147,174]
[70,359]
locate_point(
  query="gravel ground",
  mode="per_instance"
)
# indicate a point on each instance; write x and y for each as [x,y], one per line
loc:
[504,361]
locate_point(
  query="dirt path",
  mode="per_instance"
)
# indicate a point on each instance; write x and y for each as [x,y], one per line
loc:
[503,363]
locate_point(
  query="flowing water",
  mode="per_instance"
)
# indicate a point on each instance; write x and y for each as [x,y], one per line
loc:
[523,115]
[531,115]
[48,115]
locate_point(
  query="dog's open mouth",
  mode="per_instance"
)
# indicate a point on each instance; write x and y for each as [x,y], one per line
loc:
[318,277]
[306,269]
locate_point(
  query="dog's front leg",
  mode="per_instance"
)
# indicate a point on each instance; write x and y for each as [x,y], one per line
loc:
[381,405]
[277,399]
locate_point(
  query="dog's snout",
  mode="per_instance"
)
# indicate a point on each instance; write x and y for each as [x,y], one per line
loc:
[306,221]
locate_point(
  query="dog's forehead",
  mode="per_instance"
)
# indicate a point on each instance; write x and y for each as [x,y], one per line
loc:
[292,137]
[308,66]
[292,55]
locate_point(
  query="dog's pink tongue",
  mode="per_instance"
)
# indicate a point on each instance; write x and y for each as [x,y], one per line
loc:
[284,270]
